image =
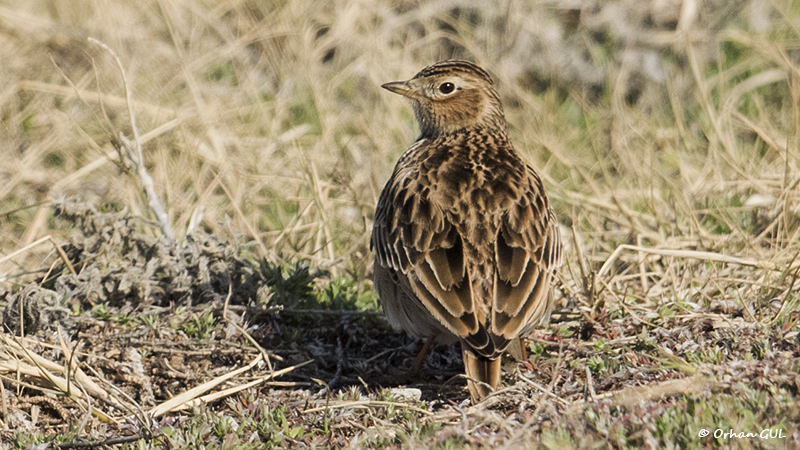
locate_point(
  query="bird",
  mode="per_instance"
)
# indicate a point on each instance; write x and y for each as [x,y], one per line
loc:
[466,241]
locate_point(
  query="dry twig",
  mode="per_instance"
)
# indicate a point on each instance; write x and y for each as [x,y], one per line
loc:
[138,159]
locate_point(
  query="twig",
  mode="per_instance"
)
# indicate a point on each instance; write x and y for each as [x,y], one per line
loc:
[590,384]
[367,404]
[330,312]
[108,442]
[138,161]
[542,389]
[254,312]
[135,408]
[267,355]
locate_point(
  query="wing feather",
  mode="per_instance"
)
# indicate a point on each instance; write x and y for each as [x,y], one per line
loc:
[419,241]
[412,237]
[528,250]
[511,261]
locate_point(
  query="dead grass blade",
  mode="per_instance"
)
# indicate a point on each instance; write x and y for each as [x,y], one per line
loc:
[21,361]
[183,400]
[692,254]
[230,391]
[40,241]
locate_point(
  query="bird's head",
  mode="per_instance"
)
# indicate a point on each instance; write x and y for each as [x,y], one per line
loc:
[452,95]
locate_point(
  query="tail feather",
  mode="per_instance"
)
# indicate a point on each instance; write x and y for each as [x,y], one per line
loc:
[485,372]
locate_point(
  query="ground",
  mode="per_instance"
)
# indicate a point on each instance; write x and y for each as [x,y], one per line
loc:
[666,133]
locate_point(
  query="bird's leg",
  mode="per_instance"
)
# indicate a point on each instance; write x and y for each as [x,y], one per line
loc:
[422,354]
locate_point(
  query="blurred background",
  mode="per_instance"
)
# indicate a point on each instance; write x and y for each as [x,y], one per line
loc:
[662,123]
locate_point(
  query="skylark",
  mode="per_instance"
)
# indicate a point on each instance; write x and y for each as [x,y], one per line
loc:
[465,238]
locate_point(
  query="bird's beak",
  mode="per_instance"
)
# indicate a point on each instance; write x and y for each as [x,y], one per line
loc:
[399,87]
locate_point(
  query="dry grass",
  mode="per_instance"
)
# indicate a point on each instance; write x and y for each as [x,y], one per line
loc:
[667,134]
[266,120]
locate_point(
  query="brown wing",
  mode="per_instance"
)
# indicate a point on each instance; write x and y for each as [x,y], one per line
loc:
[412,237]
[527,251]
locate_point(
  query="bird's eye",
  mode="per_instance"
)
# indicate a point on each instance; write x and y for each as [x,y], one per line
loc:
[446,88]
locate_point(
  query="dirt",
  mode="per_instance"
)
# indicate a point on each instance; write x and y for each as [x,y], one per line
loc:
[135,298]
[151,319]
